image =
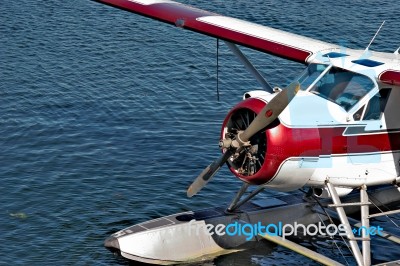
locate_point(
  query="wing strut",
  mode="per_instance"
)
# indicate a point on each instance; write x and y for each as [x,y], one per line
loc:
[249,66]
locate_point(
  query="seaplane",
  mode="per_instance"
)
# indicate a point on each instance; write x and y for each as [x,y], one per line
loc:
[331,139]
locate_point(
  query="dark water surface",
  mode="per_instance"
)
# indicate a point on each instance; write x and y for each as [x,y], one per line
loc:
[106,117]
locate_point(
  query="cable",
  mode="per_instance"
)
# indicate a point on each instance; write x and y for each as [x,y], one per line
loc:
[217,69]
[331,221]
[387,216]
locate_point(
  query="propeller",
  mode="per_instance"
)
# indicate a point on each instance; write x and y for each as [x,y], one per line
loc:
[205,176]
[266,116]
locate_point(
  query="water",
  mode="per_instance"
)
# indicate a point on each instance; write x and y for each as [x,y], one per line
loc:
[106,117]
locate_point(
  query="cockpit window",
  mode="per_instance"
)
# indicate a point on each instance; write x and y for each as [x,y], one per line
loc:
[377,105]
[310,74]
[342,87]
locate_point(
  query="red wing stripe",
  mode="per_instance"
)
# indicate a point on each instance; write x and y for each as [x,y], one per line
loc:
[265,39]
[166,11]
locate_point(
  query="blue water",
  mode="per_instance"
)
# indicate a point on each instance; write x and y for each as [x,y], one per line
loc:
[106,117]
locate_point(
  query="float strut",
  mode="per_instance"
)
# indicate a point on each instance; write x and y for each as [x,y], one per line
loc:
[343,219]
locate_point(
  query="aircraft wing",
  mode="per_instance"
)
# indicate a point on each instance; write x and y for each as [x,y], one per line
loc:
[265,39]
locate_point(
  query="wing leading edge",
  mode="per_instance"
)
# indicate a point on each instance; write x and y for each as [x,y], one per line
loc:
[265,39]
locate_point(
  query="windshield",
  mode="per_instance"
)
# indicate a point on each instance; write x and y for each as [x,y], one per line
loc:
[310,74]
[340,86]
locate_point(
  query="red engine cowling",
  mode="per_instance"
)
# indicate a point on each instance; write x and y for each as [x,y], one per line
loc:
[260,162]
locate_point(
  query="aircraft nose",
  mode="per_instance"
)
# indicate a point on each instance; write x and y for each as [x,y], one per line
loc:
[112,243]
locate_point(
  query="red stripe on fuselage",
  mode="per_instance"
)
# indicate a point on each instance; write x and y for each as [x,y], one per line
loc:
[186,17]
[390,77]
[284,142]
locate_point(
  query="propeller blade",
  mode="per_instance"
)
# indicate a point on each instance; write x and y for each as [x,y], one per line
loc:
[271,111]
[205,176]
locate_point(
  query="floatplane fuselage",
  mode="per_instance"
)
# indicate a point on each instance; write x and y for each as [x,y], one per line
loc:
[342,124]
